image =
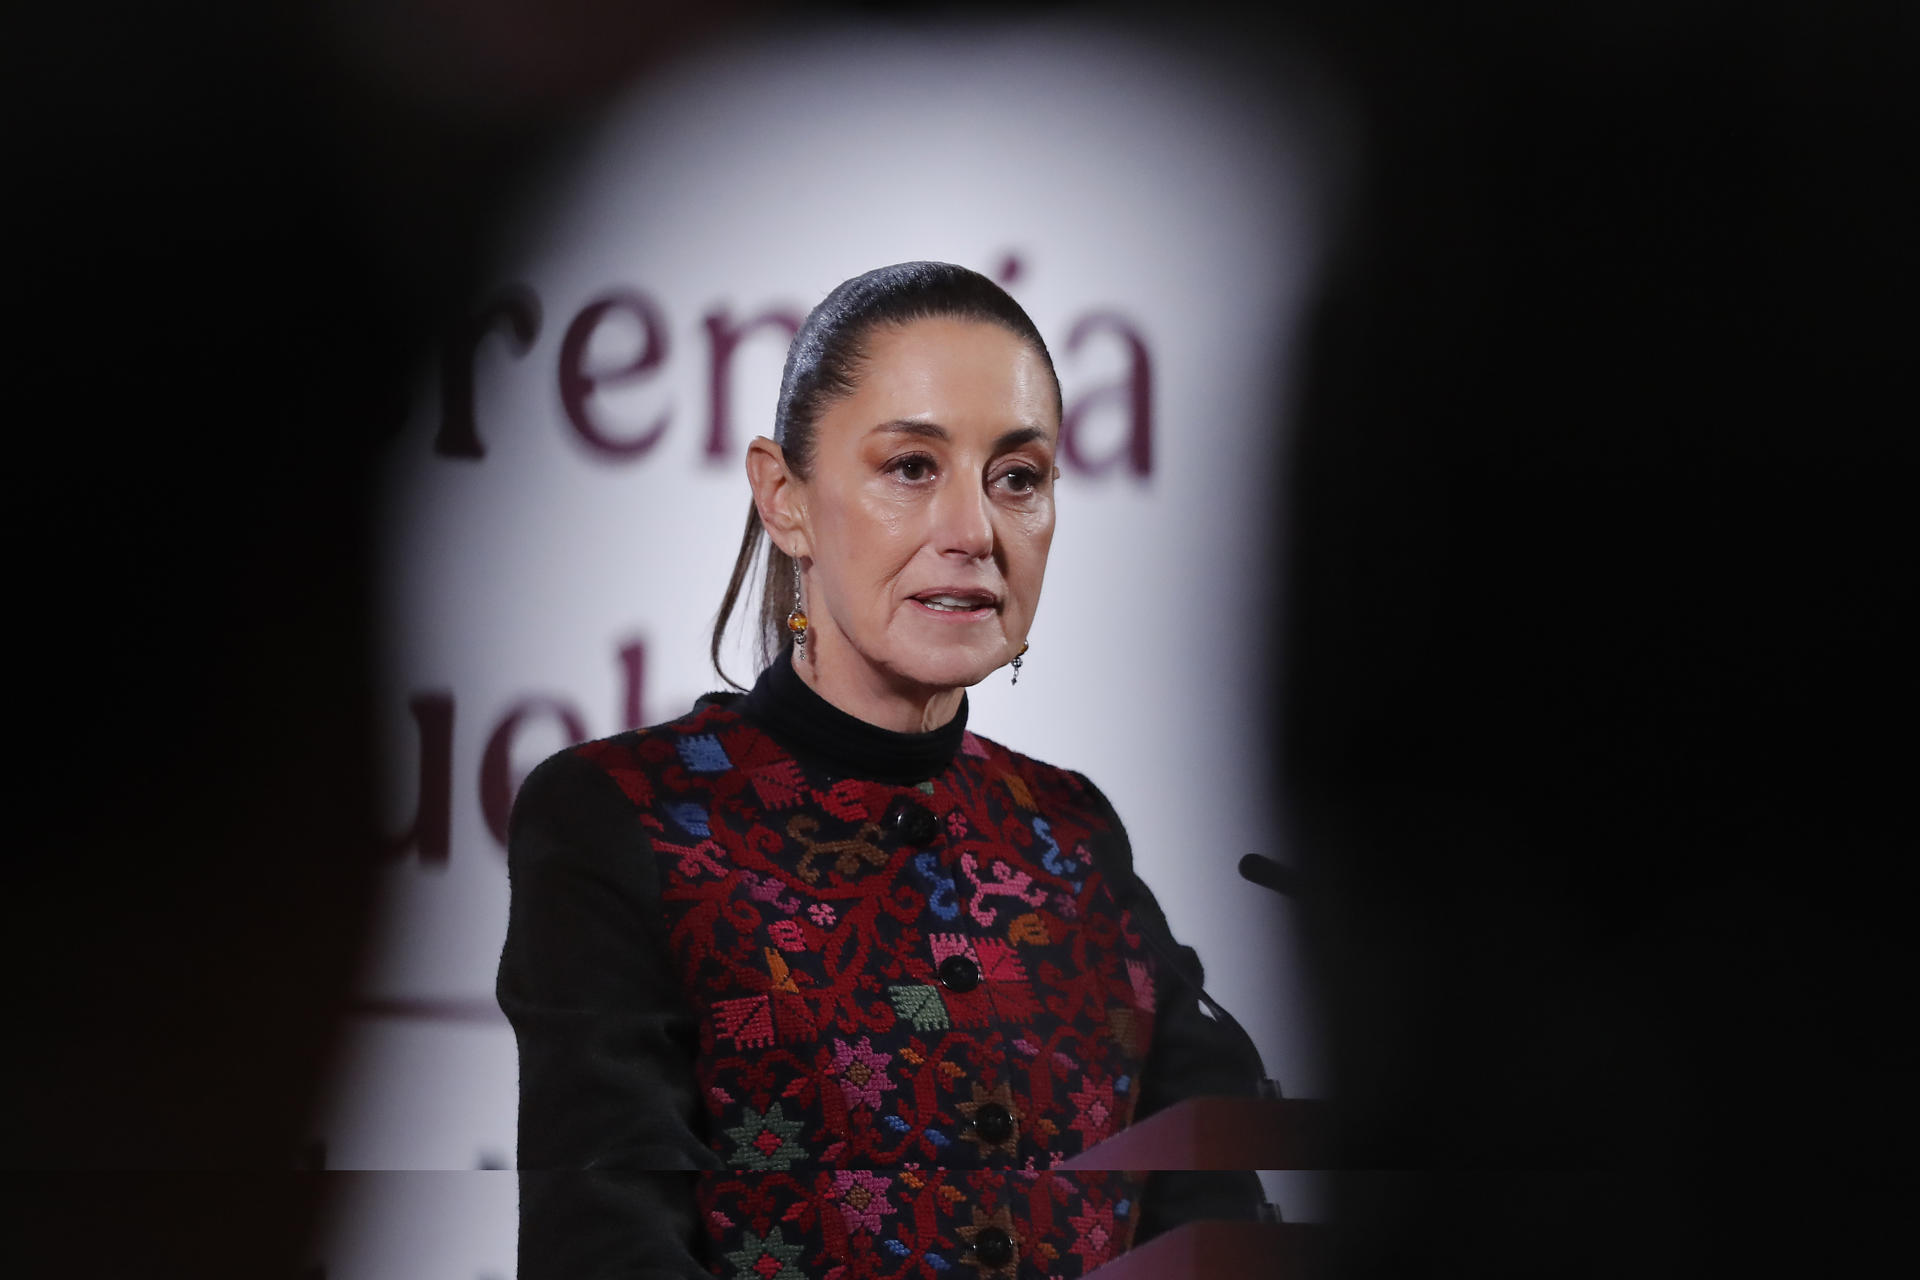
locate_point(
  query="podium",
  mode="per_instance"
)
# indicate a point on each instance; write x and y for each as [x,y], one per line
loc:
[1219,1133]
[1222,1133]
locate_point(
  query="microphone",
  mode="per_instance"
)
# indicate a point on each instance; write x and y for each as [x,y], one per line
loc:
[1277,876]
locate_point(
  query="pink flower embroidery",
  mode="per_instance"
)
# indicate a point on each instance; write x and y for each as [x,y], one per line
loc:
[1093,1235]
[822,914]
[863,1198]
[1093,1109]
[862,1070]
[956,824]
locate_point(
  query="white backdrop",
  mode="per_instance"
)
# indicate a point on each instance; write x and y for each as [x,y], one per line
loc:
[557,548]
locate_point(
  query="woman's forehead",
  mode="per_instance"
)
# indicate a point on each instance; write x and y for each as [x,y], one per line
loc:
[952,374]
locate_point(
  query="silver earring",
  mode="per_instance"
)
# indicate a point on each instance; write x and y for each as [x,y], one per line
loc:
[797,620]
[1017,659]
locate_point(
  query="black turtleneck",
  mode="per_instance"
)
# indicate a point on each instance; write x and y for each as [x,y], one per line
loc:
[818,732]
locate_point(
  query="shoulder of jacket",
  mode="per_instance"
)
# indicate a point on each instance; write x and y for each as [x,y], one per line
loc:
[656,741]
[1038,775]
[630,760]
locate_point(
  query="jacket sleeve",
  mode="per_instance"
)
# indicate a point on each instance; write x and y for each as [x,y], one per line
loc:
[609,1118]
[1192,1054]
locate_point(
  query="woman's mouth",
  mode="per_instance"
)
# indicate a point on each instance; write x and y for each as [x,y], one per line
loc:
[958,604]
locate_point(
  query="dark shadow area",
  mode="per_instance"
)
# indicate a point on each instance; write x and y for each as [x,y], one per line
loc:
[1595,534]
[238,228]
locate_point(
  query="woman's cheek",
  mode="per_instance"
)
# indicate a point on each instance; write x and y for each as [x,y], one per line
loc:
[897,501]
[882,514]
[1037,523]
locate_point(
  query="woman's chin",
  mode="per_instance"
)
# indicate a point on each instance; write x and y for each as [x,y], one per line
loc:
[946,669]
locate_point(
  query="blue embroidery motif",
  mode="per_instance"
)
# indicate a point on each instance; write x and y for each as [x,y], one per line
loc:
[691,818]
[1053,860]
[703,753]
[941,896]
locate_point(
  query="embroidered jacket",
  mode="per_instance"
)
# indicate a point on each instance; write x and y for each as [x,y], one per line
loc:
[869,987]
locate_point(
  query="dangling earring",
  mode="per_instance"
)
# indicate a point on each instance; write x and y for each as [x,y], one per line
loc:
[797,620]
[1017,659]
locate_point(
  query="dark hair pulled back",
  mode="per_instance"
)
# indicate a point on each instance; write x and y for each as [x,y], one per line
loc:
[823,365]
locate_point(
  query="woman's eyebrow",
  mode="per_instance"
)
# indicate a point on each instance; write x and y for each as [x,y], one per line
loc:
[915,427]
[1017,437]
[934,431]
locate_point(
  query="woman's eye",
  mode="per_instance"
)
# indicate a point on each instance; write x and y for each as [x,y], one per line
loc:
[1021,479]
[913,468]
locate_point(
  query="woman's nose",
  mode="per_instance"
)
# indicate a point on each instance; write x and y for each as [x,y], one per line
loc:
[965,519]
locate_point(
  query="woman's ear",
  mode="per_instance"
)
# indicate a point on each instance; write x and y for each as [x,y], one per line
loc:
[778,496]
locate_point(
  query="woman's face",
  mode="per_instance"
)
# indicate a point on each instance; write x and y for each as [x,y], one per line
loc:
[929,511]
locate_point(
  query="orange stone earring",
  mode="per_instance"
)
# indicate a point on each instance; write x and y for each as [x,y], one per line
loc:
[797,620]
[1017,659]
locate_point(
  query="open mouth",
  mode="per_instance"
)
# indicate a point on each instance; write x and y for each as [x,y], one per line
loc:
[958,604]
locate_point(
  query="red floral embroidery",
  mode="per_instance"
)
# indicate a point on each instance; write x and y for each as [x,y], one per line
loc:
[894,1036]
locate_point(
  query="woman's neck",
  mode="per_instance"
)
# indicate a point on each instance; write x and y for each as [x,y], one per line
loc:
[847,681]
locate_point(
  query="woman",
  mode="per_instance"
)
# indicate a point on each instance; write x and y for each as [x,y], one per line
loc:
[813,981]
